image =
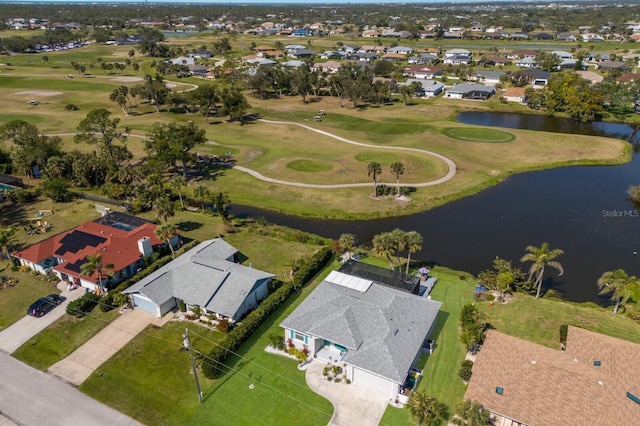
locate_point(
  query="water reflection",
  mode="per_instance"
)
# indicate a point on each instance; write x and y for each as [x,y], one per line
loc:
[582,210]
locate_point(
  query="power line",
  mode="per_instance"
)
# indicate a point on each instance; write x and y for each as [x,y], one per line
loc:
[222,365]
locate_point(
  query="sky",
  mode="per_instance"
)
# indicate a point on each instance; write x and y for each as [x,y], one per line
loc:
[241,2]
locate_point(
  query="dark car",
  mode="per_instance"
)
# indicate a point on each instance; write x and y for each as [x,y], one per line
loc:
[44,305]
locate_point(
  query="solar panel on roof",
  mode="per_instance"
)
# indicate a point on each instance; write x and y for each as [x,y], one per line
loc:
[348,281]
[78,240]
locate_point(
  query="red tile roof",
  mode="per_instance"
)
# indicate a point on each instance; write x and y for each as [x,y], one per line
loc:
[120,247]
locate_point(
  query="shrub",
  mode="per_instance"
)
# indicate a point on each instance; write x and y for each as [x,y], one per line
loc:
[223,326]
[212,366]
[71,107]
[196,311]
[490,298]
[85,304]
[465,370]
[55,188]
[564,330]
[182,307]
[275,340]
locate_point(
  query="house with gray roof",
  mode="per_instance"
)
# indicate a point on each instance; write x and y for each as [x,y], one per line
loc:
[206,276]
[470,91]
[428,88]
[374,331]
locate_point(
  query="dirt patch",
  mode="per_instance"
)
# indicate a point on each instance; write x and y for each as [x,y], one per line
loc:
[252,155]
[126,79]
[39,93]
[171,85]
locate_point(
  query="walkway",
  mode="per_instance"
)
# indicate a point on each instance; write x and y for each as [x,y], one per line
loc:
[353,404]
[79,365]
[448,176]
[14,336]
[31,397]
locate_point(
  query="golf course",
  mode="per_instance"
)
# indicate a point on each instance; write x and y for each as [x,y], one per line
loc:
[284,160]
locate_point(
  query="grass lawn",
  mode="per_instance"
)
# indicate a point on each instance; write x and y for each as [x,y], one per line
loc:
[151,380]
[62,338]
[440,371]
[14,301]
[539,320]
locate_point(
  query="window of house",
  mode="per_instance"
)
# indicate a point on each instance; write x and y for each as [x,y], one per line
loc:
[299,336]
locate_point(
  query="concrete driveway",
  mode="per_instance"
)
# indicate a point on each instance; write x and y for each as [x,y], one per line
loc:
[12,337]
[31,397]
[79,365]
[352,404]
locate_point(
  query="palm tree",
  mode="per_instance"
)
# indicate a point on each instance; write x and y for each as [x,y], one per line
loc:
[163,207]
[346,242]
[619,284]
[293,265]
[176,183]
[7,239]
[373,170]
[425,408]
[398,237]
[166,232]
[201,193]
[383,247]
[413,244]
[471,413]
[94,264]
[541,257]
[397,169]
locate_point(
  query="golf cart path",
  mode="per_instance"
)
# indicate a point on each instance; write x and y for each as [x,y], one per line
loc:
[448,176]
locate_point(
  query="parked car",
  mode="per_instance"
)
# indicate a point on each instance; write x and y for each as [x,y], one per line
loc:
[44,305]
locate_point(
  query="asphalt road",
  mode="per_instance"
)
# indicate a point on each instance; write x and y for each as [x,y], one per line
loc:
[31,397]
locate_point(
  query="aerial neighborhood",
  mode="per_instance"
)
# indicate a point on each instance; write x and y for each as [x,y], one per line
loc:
[281,214]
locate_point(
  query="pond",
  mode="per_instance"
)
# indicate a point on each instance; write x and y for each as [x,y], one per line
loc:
[581,210]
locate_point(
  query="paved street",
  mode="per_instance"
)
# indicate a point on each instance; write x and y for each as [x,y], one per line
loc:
[11,338]
[31,397]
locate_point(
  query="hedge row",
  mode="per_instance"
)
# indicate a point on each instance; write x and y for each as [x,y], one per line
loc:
[212,366]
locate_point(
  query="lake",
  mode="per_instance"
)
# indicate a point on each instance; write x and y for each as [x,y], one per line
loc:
[582,210]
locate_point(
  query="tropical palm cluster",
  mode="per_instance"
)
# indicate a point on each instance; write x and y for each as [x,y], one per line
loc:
[374,169]
[390,245]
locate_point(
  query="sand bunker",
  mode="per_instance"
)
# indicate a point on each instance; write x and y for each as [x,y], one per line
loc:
[127,79]
[39,93]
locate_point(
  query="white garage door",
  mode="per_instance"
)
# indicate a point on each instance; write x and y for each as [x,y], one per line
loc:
[374,382]
[145,304]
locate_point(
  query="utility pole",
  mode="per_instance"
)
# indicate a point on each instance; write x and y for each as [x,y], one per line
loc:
[187,345]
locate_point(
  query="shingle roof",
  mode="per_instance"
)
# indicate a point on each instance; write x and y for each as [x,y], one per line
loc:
[203,276]
[542,386]
[382,328]
[470,87]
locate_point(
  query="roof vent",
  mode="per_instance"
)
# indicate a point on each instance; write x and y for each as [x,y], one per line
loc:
[600,382]
[597,363]
[499,390]
[633,397]
[533,361]
[395,332]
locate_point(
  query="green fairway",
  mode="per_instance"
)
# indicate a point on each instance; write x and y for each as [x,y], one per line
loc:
[476,134]
[308,166]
